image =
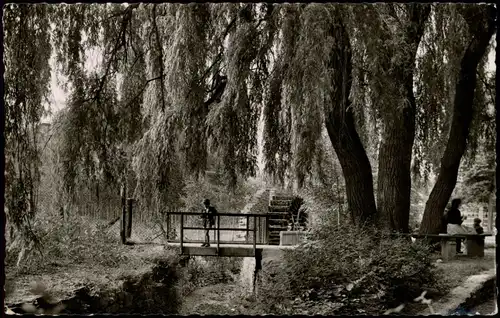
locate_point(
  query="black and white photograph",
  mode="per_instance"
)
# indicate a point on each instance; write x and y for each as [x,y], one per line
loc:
[249,158]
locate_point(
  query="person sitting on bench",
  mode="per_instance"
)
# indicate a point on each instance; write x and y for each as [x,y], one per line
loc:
[479,230]
[454,222]
[477,226]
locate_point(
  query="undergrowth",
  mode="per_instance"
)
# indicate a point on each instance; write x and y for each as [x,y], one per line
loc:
[74,240]
[342,269]
[197,272]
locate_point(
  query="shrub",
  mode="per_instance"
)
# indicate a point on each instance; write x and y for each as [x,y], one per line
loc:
[345,270]
[74,240]
[197,272]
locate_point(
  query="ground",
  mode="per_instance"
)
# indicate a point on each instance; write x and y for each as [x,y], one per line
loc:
[228,299]
[487,308]
[212,300]
[62,281]
[453,274]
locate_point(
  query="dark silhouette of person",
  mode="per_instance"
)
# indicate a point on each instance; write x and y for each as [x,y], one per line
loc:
[477,226]
[479,230]
[208,220]
[454,217]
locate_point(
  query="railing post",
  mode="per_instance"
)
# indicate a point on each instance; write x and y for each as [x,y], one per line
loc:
[267,229]
[248,226]
[218,233]
[182,232]
[254,233]
[261,236]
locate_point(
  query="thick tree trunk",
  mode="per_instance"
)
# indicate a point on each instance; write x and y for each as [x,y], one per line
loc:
[339,121]
[394,177]
[394,174]
[482,27]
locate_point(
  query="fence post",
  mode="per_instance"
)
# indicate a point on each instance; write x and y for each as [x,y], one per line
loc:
[254,233]
[129,224]
[124,215]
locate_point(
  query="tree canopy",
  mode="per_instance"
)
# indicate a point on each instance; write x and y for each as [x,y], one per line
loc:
[181,87]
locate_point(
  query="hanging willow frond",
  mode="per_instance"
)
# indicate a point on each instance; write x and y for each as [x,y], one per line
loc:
[27,74]
[233,122]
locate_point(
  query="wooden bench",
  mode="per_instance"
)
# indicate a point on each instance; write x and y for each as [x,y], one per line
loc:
[474,243]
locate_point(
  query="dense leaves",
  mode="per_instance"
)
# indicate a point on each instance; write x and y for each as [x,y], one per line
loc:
[176,90]
[26,54]
[341,269]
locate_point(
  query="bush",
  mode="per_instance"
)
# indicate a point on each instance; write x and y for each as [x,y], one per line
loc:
[345,270]
[197,272]
[74,240]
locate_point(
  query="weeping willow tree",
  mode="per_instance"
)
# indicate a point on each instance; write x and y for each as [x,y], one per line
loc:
[390,81]
[177,85]
[27,72]
[480,23]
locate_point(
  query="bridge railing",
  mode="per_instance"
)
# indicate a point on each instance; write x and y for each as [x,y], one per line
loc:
[235,228]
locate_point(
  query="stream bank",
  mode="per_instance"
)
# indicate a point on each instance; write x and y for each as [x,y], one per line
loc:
[153,291]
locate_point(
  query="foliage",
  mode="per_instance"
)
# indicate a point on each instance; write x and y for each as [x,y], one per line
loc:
[224,201]
[27,72]
[344,270]
[150,111]
[478,182]
[71,241]
[204,271]
[325,205]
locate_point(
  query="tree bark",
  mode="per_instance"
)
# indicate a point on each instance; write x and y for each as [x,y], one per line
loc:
[394,172]
[481,26]
[339,121]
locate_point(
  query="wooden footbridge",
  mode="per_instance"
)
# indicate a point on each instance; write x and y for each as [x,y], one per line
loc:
[233,234]
[248,238]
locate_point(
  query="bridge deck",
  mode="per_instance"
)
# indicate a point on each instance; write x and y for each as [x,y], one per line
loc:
[233,249]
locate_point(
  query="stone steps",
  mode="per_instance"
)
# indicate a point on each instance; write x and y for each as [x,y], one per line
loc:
[277,221]
[280,202]
[278,211]
[274,228]
[282,198]
[277,214]
[278,208]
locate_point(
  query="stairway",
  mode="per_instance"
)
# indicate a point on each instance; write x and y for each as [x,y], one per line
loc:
[279,207]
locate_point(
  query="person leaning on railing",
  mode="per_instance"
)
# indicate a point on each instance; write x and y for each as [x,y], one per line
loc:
[208,217]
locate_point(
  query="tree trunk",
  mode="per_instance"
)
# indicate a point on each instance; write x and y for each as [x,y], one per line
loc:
[394,174]
[491,211]
[339,121]
[482,27]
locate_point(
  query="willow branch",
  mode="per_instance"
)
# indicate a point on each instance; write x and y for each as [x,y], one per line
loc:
[144,87]
[160,57]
